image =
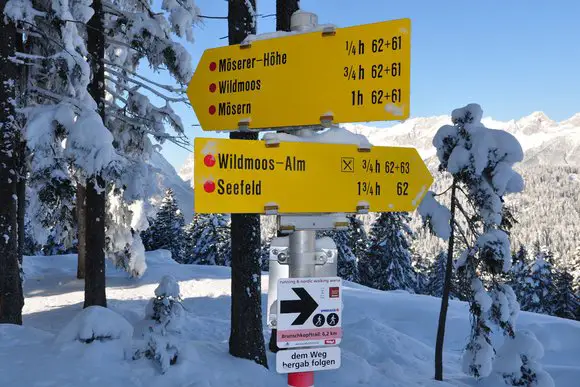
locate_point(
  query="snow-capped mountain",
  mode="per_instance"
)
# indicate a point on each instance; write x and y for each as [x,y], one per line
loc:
[167,177]
[538,134]
[186,170]
[548,210]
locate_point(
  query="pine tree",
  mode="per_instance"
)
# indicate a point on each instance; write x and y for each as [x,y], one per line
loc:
[213,247]
[436,277]
[191,234]
[539,283]
[11,297]
[166,312]
[518,272]
[167,231]
[387,264]
[421,266]
[566,302]
[480,161]
[357,236]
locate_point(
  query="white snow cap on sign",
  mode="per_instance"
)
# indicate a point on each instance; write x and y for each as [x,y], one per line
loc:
[334,135]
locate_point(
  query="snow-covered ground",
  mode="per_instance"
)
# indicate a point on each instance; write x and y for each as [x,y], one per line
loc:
[388,336]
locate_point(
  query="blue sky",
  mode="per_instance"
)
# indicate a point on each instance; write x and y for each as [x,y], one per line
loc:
[512,57]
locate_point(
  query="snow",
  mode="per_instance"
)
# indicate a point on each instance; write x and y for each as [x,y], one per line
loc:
[333,135]
[389,337]
[90,144]
[437,215]
[99,327]
[497,243]
[21,10]
[168,287]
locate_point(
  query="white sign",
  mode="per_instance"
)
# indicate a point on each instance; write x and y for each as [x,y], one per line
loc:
[313,359]
[309,312]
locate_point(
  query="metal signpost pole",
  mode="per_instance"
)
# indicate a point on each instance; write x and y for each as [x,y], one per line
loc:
[302,264]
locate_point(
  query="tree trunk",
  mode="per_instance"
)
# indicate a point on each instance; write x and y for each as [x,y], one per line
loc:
[284,11]
[22,167]
[11,297]
[446,290]
[246,338]
[81,230]
[95,192]
[21,194]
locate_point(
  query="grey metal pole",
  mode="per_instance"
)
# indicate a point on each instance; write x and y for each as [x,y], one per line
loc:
[302,261]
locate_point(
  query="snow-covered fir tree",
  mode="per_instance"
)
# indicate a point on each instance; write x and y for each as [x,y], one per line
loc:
[518,272]
[191,234]
[357,236]
[162,338]
[436,278]
[167,230]
[480,161]
[387,263]
[566,303]
[539,290]
[213,247]
[421,266]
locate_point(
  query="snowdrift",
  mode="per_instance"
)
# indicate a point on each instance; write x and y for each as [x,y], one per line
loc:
[388,336]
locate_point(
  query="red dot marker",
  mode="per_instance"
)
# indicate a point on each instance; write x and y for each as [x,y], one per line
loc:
[212,87]
[209,186]
[209,160]
[212,110]
[212,66]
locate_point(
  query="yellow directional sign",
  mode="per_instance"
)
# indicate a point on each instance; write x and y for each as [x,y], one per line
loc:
[352,74]
[240,176]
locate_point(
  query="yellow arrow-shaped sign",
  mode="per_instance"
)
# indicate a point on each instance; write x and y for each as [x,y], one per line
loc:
[240,176]
[352,74]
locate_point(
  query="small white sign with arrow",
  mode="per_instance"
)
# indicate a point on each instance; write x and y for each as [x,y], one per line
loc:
[309,312]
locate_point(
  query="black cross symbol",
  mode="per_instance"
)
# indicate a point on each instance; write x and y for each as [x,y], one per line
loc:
[347,164]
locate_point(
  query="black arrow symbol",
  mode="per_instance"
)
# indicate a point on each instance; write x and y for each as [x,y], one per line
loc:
[306,305]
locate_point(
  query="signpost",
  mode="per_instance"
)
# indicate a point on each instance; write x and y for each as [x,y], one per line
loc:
[309,312]
[232,176]
[353,74]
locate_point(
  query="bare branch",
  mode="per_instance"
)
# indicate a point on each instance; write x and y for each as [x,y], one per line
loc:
[162,86]
[147,87]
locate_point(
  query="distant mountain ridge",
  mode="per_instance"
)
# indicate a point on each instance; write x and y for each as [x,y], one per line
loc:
[548,210]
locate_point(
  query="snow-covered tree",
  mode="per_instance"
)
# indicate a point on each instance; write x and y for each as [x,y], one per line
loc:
[357,236]
[166,311]
[436,278]
[191,234]
[213,247]
[480,161]
[566,303]
[538,291]
[387,263]
[518,272]
[167,230]
[421,266]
